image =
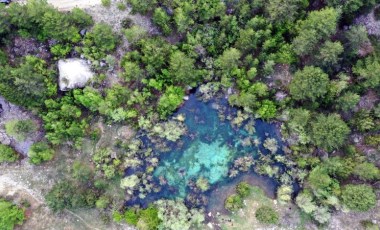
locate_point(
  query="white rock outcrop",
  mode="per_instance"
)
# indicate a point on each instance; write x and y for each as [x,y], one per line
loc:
[73,73]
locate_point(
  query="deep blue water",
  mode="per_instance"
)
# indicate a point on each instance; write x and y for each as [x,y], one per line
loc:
[208,149]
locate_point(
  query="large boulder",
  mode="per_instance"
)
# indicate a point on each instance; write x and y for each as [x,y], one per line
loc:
[73,73]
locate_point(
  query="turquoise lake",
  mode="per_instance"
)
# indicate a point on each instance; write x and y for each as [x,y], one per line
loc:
[210,146]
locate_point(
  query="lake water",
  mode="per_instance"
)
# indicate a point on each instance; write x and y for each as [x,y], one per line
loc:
[210,146]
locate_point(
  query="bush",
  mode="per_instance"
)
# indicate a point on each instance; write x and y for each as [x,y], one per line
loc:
[40,152]
[106,3]
[358,197]
[20,129]
[10,215]
[7,154]
[233,202]
[267,215]
[243,189]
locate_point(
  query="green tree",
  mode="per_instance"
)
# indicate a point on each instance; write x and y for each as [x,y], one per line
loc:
[363,121]
[267,110]
[368,70]
[317,26]
[367,171]
[243,189]
[182,17]
[348,101]
[229,61]
[170,100]
[329,53]
[100,41]
[162,20]
[40,152]
[358,197]
[20,129]
[329,132]
[357,37]
[306,202]
[176,216]
[89,98]
[267,215]
[7,154]
[233,202]
[284,10]
[311,83]
[10,215]
[143,7]
[182,69]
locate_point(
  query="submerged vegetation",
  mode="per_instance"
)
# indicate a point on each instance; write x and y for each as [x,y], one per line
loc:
[217,89]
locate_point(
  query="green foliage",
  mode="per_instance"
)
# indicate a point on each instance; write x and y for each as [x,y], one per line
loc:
[305,201]
[20,129]
[106,3]
[182,69]
[99,42]
[10,215]
[357,37]
[162,20]
[60,51]
[329,132]
[339,167]
[363,121]
[373,140]
[63,121]
[351,7]
[229,61]
[233,202]
[102,202]
[40,152]
[7,154]
[28,84]
[107,162]
[135,33]
[329,53]
[170,100]
[267,110]
[311,83]
[367,171]
[348,101]
[139,6]
[317,26]
[176,216]
[149,219]
[89,98]
[66,194]
[267,215]
[368,71]
[321,182]
[131,217]
[358,197]
[243,189]
[282,11]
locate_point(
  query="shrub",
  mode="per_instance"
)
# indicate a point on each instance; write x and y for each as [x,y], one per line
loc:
[10,215]
[367,171]
[19,129]
[7,154]
[40,152]
[243,189]
[267,215]
[106,3]
[121,6]
[233,202]
[358,197]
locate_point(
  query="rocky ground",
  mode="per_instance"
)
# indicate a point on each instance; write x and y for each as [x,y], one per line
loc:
[11,112]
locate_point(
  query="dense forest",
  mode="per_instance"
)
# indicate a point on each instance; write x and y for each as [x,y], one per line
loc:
[304,65]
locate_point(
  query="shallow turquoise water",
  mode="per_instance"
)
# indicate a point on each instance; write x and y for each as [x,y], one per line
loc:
[210,146]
